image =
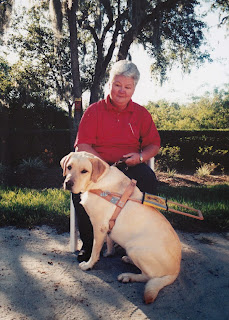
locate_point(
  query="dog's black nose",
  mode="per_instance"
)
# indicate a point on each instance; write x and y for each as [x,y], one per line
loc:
[69,184]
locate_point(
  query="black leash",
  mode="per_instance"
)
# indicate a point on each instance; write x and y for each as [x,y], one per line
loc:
[121,165]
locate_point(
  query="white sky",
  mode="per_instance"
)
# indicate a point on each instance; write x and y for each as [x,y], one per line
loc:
[181,88]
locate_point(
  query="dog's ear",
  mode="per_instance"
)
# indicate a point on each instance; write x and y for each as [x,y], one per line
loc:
[98,168]
[64,162]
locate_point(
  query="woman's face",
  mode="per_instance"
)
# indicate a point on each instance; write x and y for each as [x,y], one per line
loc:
[121,90]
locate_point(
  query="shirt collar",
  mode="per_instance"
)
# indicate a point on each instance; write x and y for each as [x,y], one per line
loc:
[109,105]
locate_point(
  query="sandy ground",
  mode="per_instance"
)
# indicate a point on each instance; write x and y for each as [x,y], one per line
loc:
[40,279]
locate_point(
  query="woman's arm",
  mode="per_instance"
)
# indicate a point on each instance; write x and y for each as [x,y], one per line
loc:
[132,159]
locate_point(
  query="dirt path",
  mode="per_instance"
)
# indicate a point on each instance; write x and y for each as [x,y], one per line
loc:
[40,280]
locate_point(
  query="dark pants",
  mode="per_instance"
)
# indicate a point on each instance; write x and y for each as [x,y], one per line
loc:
[146,182]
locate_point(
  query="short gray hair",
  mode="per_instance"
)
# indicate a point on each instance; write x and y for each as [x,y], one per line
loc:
[124,68]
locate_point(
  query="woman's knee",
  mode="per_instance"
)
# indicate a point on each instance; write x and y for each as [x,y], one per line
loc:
[146,178]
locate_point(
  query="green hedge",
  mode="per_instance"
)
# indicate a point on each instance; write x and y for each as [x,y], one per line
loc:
[180,149]
[49,145]
[187,149]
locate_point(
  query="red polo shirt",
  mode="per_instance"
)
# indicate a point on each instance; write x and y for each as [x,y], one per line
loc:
[113,133]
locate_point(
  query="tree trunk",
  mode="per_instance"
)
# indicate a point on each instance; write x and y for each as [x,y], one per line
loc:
[95,88]
[125,46]
[100,71]
[76,91]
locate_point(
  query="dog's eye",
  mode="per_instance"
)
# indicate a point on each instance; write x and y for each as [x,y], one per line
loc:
[69,167]
[84,171]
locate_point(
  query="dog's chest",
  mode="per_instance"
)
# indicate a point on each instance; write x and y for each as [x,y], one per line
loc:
[94,204]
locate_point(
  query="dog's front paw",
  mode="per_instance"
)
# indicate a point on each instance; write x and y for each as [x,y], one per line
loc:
[84,266]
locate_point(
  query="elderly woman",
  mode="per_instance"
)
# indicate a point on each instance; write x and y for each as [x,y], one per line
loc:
[113,129]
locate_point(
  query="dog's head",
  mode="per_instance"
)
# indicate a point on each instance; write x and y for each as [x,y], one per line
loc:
[81,169]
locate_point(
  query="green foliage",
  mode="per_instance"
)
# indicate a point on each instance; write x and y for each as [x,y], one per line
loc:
[30,170]
[210,152]
[203,114]
[168,158]
[205,169]
[171,173]
[27,208]
[31,166]
[186,149]
[5,80]
[25,105]
[170,30]
[41,78]
[49,145]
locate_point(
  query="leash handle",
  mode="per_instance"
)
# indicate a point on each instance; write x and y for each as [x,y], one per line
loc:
[199,213]
[163,204]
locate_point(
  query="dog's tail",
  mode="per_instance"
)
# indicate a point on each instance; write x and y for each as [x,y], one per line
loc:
[154,285]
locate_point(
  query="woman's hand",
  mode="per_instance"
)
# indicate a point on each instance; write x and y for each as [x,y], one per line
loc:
[131,159]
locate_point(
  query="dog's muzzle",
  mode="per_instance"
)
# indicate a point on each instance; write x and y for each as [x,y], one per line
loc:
[68,184]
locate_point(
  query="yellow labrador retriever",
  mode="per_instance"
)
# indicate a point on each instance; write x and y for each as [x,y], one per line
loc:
[148,238]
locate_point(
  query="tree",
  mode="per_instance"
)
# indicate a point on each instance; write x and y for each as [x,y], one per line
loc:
[169,30]
[5,14]
[47,64]
[24,106]
[5,87]
[101,32]
[205,113]
[223,6]
[68,9]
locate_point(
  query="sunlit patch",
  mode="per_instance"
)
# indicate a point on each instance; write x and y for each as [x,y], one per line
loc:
[43,265]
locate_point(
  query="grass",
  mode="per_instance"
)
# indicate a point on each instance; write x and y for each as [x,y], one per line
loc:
[212,200]
[27,208]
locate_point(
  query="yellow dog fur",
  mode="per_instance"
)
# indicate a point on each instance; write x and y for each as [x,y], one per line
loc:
[148,238]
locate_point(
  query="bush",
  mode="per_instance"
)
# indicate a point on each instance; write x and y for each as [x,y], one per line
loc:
[49,145]
[210,153]
[180,149]
[4,174]
[31,165]
[30,170]
[205,169]
[168,158]
[205,146]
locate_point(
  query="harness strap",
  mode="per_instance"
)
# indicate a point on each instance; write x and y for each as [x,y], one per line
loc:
[121,203]
[117,199]
[109,196]
[148,199]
